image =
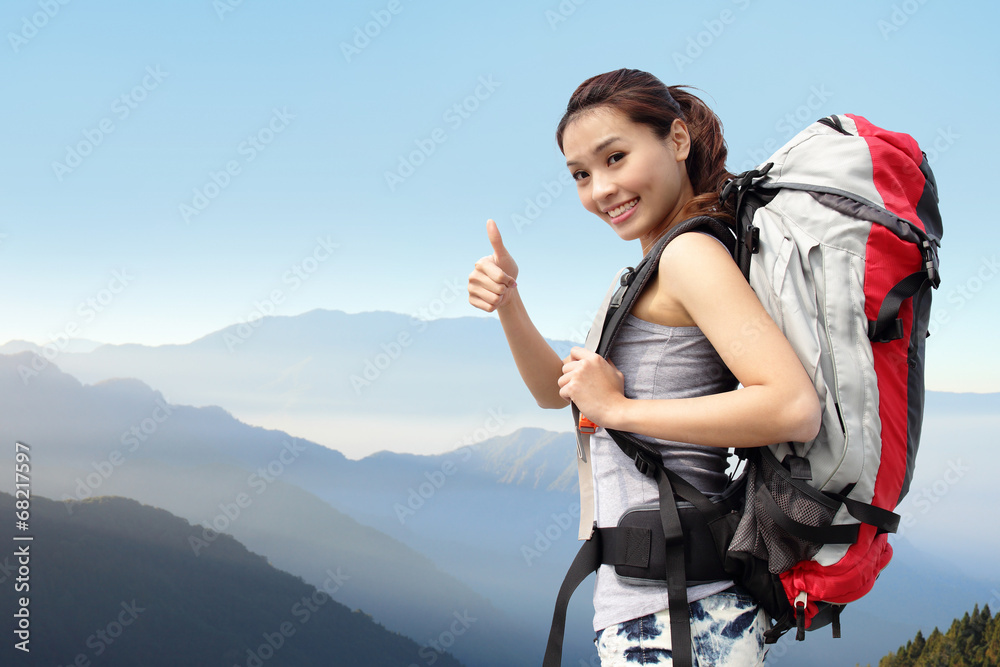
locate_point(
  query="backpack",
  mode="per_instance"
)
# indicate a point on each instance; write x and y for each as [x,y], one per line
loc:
[837,234]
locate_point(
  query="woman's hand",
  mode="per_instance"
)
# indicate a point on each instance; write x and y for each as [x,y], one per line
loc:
[594,384]
[494,277]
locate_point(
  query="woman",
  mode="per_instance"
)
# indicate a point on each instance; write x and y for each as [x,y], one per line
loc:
[646,157]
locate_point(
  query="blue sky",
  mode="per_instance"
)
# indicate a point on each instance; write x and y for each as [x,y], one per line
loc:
[169,169]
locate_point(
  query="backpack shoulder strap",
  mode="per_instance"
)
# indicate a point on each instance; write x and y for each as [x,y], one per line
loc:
[584,469]
[632,284]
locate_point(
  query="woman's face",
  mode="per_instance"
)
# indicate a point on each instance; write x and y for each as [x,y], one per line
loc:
[625,175]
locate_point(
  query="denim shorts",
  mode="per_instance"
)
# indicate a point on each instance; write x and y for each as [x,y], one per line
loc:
[727,630]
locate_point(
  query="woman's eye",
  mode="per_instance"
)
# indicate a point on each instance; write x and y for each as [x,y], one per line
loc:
[615,157]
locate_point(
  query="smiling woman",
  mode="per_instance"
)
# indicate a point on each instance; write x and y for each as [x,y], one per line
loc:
[630,178]
[645,158]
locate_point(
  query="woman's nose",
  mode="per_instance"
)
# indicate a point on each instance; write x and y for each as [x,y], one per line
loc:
[601,189]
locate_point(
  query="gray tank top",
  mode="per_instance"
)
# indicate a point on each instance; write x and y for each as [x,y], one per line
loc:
[657,361]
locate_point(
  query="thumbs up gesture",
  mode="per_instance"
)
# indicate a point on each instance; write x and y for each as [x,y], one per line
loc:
[492,282]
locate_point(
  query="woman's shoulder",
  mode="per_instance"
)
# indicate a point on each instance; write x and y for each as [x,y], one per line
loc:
[694,269]
[684,259]
[694,253]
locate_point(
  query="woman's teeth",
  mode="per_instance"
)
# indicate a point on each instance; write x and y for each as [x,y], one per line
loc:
[614,213]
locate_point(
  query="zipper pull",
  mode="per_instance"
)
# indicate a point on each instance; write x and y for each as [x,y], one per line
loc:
[800,616]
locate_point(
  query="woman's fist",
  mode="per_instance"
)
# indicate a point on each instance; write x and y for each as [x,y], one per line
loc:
[594,384]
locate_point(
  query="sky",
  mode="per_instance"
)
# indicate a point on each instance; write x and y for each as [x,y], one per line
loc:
[171,168]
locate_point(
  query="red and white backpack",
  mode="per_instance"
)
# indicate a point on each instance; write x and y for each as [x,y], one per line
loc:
[843,229]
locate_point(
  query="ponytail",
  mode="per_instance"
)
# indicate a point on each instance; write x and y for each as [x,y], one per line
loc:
[706,162]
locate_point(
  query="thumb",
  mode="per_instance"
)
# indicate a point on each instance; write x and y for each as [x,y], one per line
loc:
[495,240]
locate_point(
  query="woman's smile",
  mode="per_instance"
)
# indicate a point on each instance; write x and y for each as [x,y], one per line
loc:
[623,212]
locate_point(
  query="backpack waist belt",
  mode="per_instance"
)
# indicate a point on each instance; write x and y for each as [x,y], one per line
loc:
[637,548]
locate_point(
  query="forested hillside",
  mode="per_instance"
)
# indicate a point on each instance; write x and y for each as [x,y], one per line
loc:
[972,641]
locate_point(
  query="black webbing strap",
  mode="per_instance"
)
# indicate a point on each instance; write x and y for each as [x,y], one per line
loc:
[835,534]
[622,547]
[883,519]
[646,459]
[747,234]
[590,555]
[621,304]
[587,560]
[650,463]
[630,546]
[887,327]
[676,577]
[837,608]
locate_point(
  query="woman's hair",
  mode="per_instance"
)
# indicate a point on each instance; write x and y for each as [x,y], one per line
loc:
[644,99]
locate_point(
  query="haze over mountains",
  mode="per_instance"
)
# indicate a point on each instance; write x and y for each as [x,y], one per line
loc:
[227,477]
[357,383]
[485,527]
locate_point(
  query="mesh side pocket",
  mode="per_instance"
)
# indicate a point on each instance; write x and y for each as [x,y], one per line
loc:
[758,534]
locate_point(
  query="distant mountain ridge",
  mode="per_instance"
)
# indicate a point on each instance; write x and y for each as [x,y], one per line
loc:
[328,376]
[113,582]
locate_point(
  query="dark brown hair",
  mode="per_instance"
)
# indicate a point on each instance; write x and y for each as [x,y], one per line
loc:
[644,99]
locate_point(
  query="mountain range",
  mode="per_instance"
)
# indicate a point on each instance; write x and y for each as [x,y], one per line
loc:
[485,527]
[356,383]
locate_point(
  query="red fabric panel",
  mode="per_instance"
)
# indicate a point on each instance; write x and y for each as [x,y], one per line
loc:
[896,172]
[888,260]
[896,159]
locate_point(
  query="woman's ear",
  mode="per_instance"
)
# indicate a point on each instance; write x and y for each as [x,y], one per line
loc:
[680,139]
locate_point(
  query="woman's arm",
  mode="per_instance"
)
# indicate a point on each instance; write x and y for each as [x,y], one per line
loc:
[492,287]
[538,364]
[777,403]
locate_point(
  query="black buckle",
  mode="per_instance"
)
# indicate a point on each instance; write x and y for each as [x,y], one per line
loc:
[752,239]
[742,181]
[619,295]
[894,331]
[644,465]
[931,261]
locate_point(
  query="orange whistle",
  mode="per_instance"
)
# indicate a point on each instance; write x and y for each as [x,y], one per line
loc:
[587,426]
